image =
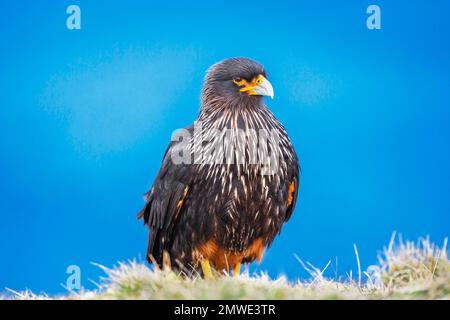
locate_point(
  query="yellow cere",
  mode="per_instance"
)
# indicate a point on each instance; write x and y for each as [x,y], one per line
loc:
[249,87]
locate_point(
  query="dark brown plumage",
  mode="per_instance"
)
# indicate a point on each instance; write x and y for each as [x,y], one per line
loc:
[228,205]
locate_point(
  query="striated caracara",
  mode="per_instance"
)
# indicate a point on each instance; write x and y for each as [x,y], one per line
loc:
[226,187]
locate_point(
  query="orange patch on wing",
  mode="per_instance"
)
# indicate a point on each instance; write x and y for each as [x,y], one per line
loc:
[225,260]
[291,193]
[180,203]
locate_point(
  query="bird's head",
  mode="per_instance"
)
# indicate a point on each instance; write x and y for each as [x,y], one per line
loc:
[238,78]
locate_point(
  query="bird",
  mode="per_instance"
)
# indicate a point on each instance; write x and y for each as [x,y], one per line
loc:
[222,205]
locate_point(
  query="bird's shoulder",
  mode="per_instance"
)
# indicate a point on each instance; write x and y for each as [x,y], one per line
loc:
[168,187]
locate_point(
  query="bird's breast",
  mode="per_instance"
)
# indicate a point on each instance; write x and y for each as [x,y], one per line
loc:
[241,171]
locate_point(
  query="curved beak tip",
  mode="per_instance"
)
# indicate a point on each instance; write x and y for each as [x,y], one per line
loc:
[270,92]
[266,89]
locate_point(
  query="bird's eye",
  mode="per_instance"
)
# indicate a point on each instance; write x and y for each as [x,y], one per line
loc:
[237,80]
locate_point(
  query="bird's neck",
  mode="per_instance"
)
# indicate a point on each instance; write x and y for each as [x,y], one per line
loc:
[232,113]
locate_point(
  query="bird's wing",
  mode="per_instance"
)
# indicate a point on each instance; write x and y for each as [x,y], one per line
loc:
[164,201]
[294,186]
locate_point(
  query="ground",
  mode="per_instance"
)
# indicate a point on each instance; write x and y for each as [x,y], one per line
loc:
[406,270]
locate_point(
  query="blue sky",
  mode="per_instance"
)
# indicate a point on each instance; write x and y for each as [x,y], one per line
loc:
[86,116]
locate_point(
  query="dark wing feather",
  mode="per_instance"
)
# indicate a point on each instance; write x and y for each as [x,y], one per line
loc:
[294,175]
[163,201]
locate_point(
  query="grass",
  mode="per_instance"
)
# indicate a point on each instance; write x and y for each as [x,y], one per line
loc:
[405,270]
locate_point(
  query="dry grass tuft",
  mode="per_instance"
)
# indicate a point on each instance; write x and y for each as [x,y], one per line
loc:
[406,270]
